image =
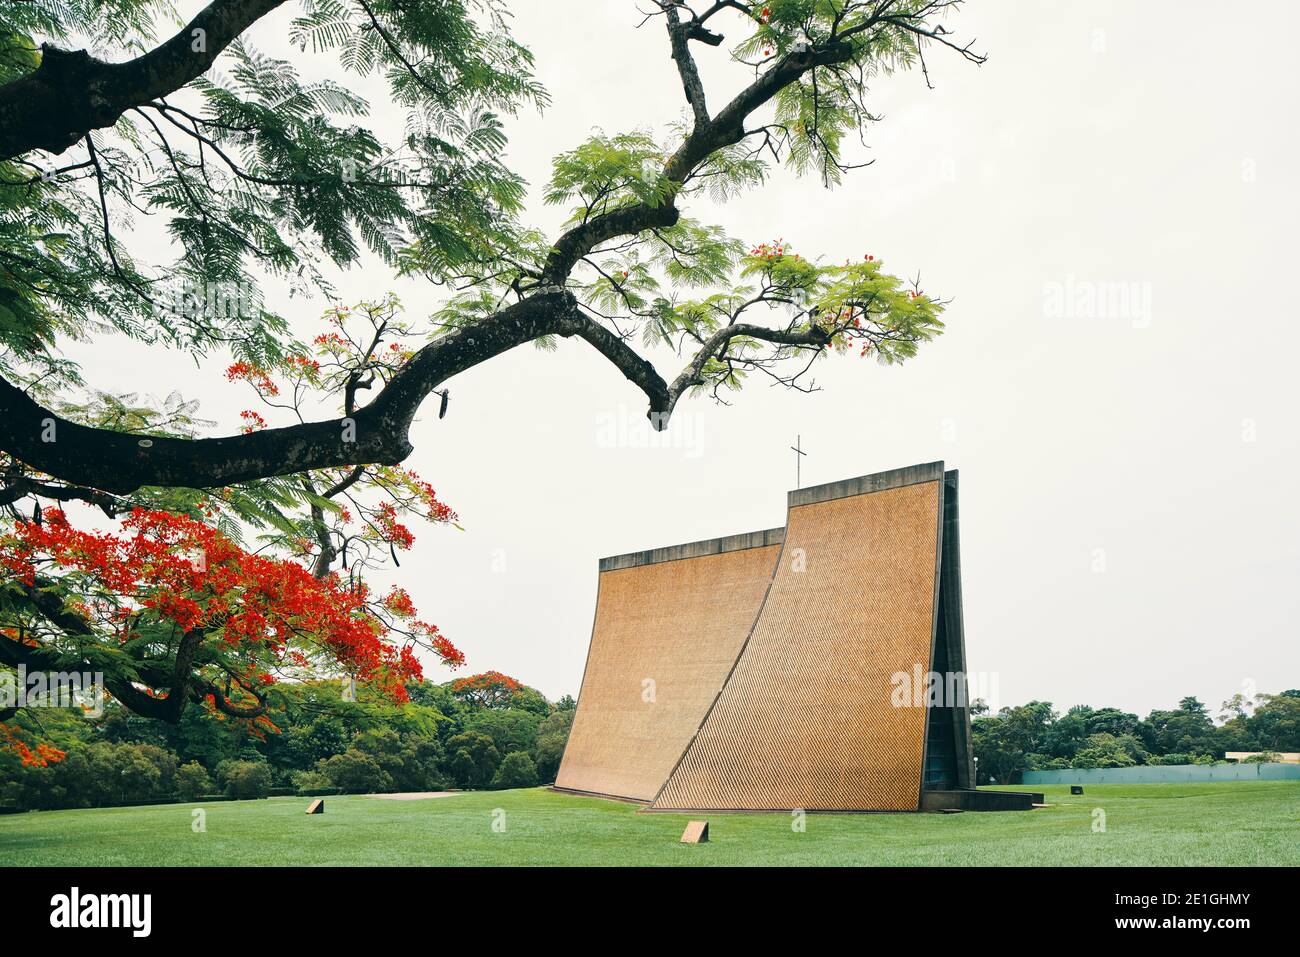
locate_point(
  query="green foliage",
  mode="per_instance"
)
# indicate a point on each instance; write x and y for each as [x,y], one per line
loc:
[122,757]
[472,759]
[531,700]
[516,771]
[192,781]
[1108,751]
[609,172]
[411,763]
[1034,737]
[129,22]
[1003,743]
[354,772]
[1188,729]
[311,782]
[552,736]
[729,172]
[818,112]
[1263,757]
[256,172]
[262,176]
[101,774]
[244,780]
[1274,725]
[1171,759]
[511,729]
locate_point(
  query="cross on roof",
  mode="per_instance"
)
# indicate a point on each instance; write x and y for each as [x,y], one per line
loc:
[799,453]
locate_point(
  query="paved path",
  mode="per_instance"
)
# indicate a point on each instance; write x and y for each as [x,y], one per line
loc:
[415,795]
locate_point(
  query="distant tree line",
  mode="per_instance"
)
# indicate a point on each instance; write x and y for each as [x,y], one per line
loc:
[488,731]
[1035,737]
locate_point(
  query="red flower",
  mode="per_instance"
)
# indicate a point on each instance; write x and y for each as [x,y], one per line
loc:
[252,421]
[489,689]
[173,570]
[41,757]
[254,376]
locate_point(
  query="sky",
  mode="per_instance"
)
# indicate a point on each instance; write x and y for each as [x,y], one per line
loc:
[1105,201]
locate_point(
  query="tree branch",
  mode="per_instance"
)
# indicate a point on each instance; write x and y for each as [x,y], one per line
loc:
[72,93]
[21,486]
[715,347]
[678,37]
[709,136]
[377,434]
[582,239]
[177,678]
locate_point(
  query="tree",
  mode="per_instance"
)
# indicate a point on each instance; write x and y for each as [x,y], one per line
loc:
[356,773]
[516,771]
[1067,734]
[1002,743]
[1188,729]
[1104,751]
[997,756]
[411,763]
[193,615]
[103,774]
[532,701]
[472,759]
[192,781]
[421,766]
[1262,757]
[491,689]
[1275,725]
[510,729]
[552,736]
[245,780]
[290,173]
[1113,721]
[259,175]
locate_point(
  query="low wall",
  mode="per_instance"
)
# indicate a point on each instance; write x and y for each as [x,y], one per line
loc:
[1165,773]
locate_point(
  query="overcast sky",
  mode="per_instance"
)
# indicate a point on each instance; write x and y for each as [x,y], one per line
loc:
[1110,203]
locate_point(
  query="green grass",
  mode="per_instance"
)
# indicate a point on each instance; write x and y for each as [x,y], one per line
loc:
[1162,824]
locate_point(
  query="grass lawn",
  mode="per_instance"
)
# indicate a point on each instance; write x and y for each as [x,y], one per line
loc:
[1162,824]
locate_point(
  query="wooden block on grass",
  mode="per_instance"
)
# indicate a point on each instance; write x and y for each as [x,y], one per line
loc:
[316,807]
[697,832]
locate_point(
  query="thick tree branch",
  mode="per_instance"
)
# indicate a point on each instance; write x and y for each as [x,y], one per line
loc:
[679,39]
[582,239]
[72,93]
[177,677]
[183,684]
[21,486]
[640,372]
[378,433]
[725,129]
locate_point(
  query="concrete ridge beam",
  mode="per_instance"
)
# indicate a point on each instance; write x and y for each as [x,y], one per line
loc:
[710,546]
[864,484]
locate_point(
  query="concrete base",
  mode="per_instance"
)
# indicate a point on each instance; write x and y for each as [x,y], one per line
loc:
[966,800]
